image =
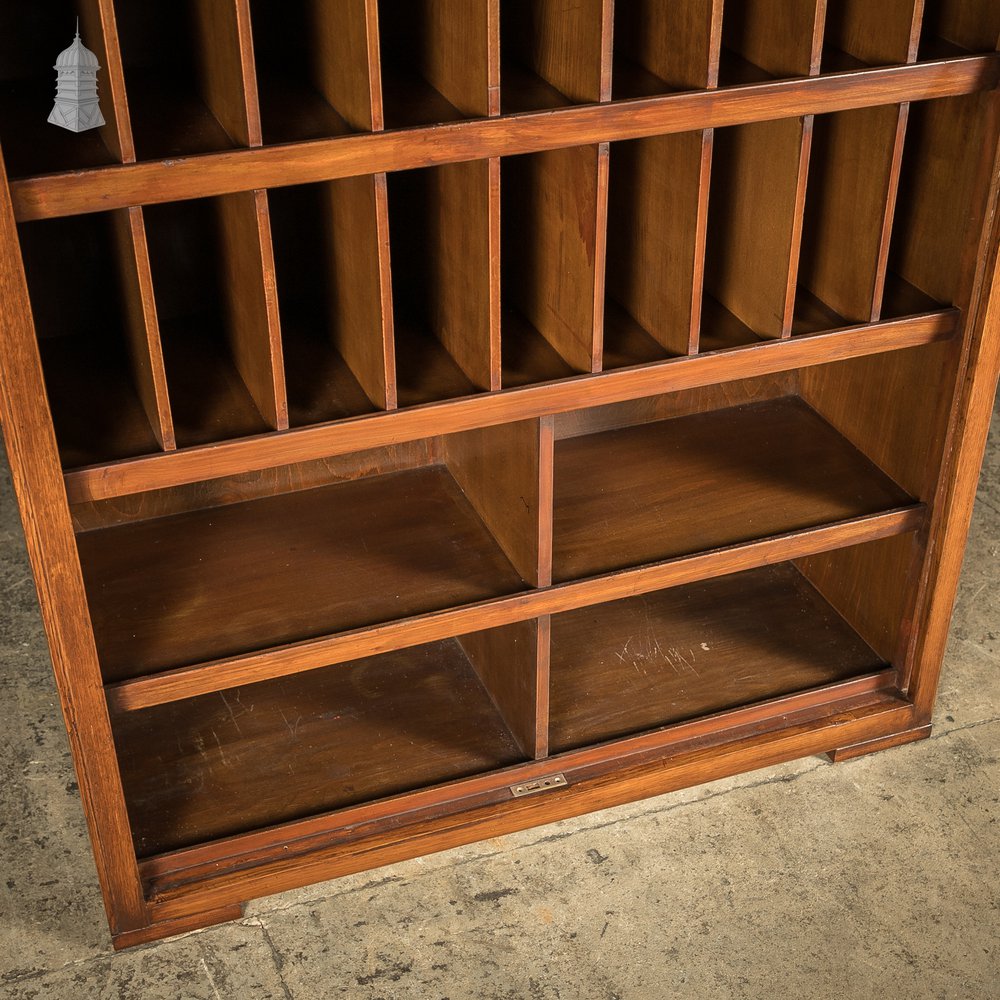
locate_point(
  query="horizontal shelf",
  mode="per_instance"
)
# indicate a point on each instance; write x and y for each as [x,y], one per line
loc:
[690,484]
[403,149]
[281,750]
[343,841]
[663,658]
[186,682]
[231,457]
[215,583]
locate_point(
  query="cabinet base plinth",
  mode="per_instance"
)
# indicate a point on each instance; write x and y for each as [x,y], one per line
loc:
[881,743]
[177,925]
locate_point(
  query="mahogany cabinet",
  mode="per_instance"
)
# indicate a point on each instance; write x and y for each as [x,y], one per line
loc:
[431,420]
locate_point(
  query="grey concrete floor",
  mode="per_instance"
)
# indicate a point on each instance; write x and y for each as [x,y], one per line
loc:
[874,878]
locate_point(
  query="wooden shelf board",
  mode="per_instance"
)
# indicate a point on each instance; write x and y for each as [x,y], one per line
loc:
[903,299]
[630,80]
[664,658]
[811,315]
[528,357]
[31,145]
[320,385]
[521,89]
[218,582]
[209,400]
[626,342]
[96,411]
[721,330]
[409,100]
[169,119]
[77,192]
[292,110]
[486,409]
[218,675]
[425,371]
[656,491]
[289,748]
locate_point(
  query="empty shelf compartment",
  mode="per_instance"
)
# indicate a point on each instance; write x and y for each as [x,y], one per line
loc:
[284,749]
[675,655]
[689,484]
[213,583]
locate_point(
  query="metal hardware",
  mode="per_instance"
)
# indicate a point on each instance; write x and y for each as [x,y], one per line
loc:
[539,785]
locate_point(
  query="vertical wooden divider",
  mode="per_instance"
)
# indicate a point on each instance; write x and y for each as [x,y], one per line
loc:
[929,240]
[854,178]
[561,196]
[658,213]
[142,332]
[229,85]
[506,473]
[760,171]
[356,208]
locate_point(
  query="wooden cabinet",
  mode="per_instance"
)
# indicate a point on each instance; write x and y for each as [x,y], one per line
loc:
[432,422]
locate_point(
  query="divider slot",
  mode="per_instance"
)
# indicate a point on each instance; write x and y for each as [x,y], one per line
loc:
[445,312]
[315,64]
[658,211]
[190,76]
[218,316]
[854,177]
[97,337]
[513,664]
[759,178]
[930,242]
[440,60]
[32,35]
[334,303]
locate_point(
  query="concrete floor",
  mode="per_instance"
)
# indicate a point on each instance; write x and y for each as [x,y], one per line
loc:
[875,878]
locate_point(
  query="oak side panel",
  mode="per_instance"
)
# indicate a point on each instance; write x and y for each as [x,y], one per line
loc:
[37,477]
[512,663]
[506,473]
[141,326]
[784,38]
[251,301]
[886,33]
[226,63]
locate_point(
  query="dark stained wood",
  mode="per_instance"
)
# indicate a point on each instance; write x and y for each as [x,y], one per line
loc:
[230,457]
[442,229]
[661,658]
[679,765]
[213,583]
[506,473]
[226,63]
[97,350]
[555,206]
[186,682]
[160,929]
[141,324]
[372,728]
[512,663]
[277,166]
[748,472]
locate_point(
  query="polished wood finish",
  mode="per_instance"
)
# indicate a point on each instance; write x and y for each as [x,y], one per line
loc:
[841,754]
[705,481]
[348,156]
[429,400]
[680,654]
